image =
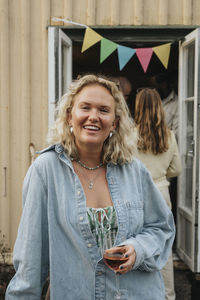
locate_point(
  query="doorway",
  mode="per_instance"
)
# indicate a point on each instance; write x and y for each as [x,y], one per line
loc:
[66,61]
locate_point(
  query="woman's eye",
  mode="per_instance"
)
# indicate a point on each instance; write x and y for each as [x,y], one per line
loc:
[104,109]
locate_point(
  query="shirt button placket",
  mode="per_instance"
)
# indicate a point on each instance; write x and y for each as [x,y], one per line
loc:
[100,283]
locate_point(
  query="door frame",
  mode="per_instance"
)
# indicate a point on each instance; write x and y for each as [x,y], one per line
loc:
[59,49]
[133,34]
[187,218]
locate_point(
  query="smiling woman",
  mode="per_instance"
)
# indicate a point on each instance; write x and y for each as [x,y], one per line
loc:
[85,198]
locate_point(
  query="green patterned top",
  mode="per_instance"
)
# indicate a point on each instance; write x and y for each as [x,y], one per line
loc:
[103,224]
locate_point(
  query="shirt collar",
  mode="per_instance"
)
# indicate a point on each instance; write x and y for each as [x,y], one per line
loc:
[170,97]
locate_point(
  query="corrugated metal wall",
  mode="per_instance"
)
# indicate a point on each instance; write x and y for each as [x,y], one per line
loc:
[24,74]
[129,12]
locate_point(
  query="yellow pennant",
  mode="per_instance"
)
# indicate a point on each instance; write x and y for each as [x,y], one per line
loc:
[163,52]
[90,38]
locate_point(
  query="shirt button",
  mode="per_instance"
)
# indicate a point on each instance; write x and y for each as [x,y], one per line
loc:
[99,273]
[78,193]
[81,218]
[89,245]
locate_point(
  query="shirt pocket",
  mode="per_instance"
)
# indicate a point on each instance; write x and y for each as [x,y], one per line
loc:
[135,217]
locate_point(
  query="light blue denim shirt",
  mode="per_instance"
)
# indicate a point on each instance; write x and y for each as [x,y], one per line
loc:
[54,234]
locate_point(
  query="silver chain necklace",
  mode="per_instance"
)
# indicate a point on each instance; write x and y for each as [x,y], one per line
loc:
[90,181]
[88,168]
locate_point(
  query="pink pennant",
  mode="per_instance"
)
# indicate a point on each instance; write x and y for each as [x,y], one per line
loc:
[144,56]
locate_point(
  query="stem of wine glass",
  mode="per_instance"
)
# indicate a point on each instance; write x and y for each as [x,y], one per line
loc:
[117,285]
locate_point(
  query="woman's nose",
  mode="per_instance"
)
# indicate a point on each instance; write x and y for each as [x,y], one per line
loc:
[93,116]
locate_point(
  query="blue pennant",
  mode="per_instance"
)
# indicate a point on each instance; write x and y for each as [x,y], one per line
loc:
[124,55]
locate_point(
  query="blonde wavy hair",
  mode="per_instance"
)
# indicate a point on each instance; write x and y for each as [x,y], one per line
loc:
[150,121]
[120,148]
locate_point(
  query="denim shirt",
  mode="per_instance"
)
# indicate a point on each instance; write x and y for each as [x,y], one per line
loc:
[54,234]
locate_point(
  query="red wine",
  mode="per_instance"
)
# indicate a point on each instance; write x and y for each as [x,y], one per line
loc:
[113,261]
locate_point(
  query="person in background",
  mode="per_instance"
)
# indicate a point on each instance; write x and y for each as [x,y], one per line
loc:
[169,100]
[166,85]
[126,88]
[158,150]
[86,196]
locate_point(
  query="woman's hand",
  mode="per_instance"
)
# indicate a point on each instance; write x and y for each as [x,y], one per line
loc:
[129,254]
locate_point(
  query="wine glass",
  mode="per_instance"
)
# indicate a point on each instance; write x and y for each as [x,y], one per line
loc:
[113,261]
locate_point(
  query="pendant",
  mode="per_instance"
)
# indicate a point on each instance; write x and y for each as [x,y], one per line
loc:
[91,185]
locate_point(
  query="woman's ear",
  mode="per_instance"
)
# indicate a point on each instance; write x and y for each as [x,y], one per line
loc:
[68,117]
[115,124]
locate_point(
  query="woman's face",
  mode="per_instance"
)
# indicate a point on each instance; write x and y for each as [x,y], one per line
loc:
[92,116]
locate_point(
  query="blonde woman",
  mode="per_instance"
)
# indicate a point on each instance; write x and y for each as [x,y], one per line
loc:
[86,196]
[158,150]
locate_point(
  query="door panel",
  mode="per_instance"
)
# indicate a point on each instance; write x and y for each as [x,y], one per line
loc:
[59,68]
[187,210]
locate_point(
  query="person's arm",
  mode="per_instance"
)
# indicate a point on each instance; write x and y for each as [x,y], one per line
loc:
[175,120]
[31,253]
[153,244]
[174,168]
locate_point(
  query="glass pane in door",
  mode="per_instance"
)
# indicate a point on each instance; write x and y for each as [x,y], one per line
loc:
[189,154]
[64,65]
[190,69]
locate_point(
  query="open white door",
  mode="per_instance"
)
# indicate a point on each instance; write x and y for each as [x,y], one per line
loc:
[59,68]
[188,234]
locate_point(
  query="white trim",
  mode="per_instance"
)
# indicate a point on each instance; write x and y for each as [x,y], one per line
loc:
[64,39]
[56,38]
[189,217]
[51,75]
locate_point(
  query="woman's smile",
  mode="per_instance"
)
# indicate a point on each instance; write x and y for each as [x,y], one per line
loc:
[91,127]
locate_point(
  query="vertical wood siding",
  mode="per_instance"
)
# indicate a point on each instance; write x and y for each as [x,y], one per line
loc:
[19,78]
[4,121]
[24,74]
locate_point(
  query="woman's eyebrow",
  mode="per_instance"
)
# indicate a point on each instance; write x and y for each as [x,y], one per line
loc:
[105,106]
[84,103]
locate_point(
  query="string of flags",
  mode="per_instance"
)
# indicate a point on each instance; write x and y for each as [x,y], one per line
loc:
[107,47]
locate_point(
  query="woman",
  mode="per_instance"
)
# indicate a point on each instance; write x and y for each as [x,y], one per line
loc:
[158,151]
[84,195]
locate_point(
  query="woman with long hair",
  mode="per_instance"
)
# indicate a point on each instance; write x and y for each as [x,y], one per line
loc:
[92,216]
[158,150]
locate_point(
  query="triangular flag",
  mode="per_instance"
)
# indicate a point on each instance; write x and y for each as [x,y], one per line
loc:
[107,47]
[144,56]
[163,52]
[90,38]
[124,55]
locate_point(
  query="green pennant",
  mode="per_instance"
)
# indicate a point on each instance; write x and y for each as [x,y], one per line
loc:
[107,47]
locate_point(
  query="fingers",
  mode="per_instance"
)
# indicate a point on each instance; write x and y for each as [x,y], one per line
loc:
[118,249]
[129,250]
[130,253]
[129,257]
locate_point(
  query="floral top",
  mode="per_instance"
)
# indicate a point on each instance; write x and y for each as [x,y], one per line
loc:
[103,224]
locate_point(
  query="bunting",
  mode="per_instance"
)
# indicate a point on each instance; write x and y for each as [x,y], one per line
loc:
[162,53]
[144,55]
[124,55]
[107,48]
[91,37]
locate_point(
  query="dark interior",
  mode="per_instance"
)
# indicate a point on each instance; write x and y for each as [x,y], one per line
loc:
[134,37]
